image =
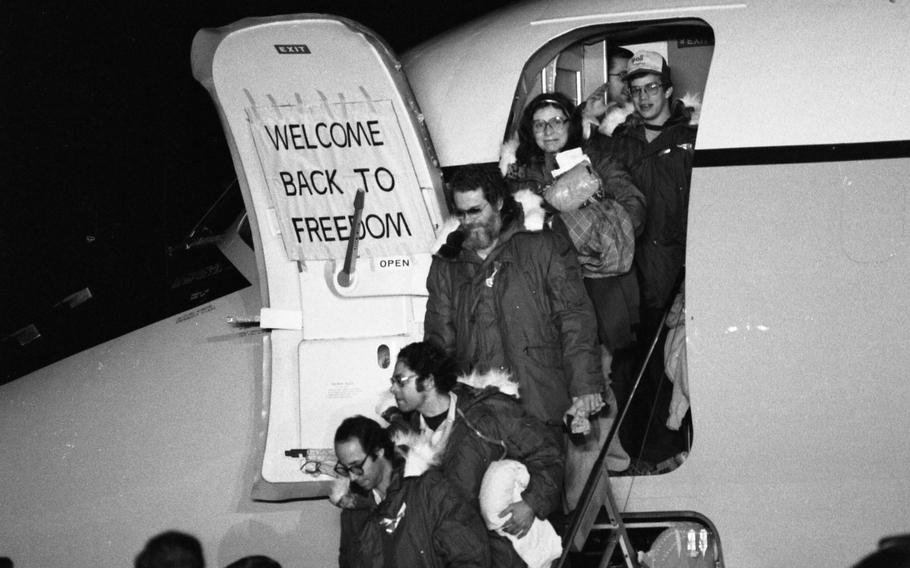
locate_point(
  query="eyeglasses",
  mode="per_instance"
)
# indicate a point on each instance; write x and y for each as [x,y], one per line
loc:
[556,124]
[621,74]
[354,468]
[650,89]
[400,381]
[464,214]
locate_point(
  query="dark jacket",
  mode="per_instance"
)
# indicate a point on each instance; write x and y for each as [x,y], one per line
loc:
[490,426]
[662,170]
[523,309]
[352,523]
[423,522]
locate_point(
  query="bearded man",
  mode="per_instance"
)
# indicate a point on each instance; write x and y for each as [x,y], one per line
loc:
[508,299]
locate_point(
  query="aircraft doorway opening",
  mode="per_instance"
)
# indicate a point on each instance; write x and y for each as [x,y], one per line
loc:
[640,303]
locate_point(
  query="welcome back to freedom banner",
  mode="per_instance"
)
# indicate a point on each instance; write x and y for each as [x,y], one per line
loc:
[315,158]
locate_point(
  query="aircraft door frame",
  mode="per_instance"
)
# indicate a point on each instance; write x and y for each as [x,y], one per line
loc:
[315,108]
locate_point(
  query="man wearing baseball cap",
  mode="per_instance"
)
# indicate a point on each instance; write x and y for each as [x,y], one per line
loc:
[656,144]
[651,89]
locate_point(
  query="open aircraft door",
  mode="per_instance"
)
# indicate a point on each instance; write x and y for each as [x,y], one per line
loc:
[316,108]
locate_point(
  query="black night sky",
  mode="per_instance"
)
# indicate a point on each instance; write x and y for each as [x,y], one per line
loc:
[111,153]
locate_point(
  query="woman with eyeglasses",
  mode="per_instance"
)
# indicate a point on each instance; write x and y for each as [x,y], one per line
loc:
[412,516]
[545,129]
[603,235]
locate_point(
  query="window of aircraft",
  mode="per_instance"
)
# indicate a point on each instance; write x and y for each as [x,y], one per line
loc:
[656,429]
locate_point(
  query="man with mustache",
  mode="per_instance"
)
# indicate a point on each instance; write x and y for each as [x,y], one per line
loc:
[509,299]
[470,426]
[411,516]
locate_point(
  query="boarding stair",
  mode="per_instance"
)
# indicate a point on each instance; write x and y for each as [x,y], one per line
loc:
[597,508]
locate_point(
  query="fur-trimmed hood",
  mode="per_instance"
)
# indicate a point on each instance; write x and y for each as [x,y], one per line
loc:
[501,380]
[508,155]
[616,114]
[419,451]
[692,102]
[424,450]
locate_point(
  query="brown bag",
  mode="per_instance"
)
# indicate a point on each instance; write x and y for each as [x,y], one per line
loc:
[574,188]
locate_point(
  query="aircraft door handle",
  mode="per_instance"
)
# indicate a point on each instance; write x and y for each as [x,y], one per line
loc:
[243,321]
[345,277]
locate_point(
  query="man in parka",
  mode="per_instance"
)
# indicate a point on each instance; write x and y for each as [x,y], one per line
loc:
[512,300]
[657,145]
[472,427]
[418,519]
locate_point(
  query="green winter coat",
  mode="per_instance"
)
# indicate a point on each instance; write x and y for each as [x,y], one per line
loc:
[523,309]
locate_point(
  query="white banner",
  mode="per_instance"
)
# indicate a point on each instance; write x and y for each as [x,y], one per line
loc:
[314,159]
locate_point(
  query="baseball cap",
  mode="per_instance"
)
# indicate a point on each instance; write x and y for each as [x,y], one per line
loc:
[644,62]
